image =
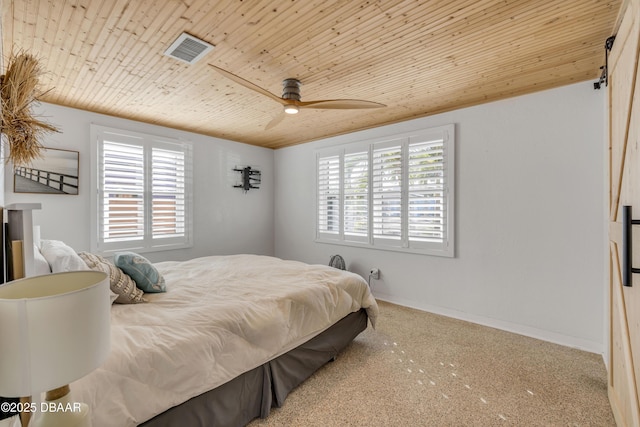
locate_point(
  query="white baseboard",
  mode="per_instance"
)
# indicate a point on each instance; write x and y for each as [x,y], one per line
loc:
[565,340]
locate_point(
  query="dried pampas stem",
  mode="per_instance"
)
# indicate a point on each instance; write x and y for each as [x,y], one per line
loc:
[18,92]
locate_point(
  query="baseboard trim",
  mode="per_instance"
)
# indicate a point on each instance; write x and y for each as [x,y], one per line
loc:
[565,340]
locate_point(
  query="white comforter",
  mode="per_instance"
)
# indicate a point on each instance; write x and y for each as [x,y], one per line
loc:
[220,317]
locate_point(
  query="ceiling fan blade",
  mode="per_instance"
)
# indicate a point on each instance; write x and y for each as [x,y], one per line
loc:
[340,104]
[277,119]
[248,84]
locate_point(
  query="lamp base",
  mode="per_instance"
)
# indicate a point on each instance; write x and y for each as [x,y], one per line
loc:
[58,411]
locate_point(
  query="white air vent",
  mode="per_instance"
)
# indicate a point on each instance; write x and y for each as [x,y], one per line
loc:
[188,49]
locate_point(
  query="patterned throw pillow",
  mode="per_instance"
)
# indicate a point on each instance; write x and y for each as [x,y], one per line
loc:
[141,271]
[121,283]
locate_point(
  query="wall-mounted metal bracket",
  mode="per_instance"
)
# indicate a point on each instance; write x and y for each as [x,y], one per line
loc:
[604,77]
[627,252]
[251,178]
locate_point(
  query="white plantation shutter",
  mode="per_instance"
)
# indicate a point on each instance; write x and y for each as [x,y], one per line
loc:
[395,194]
[143,197]
[122,182]
[168,192]
[356,196]
[426,201]
[387,192]
[329,195]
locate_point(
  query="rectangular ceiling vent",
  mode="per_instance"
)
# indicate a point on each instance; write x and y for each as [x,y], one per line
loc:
[188,49]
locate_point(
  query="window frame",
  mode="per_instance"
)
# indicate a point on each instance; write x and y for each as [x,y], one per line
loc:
[147,243]
[407,242]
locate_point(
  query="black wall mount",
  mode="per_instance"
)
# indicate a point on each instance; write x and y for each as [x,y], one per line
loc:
[627,252]
[250,178]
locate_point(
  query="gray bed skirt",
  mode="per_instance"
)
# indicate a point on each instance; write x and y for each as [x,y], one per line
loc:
[255,392]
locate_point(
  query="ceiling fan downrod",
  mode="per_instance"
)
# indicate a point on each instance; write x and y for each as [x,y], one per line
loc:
[291,89]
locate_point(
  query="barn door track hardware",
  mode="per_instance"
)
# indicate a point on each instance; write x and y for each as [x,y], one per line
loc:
[604,77]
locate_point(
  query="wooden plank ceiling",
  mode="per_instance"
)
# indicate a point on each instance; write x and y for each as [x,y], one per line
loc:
[417,57]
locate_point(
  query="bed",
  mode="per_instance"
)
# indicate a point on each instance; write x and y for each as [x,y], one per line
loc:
[226,342]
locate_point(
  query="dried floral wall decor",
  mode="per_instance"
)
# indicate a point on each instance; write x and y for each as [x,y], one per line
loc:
[18,92]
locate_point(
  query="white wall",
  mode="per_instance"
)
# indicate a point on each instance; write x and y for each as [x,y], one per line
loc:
[530,195]
[226,220]
[530,191]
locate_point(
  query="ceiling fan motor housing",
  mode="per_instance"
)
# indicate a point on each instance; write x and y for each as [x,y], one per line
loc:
[291,89]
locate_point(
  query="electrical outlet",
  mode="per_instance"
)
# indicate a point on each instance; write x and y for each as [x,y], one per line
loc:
[375,273]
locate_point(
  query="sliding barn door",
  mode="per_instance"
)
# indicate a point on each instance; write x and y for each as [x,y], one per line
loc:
[624,189]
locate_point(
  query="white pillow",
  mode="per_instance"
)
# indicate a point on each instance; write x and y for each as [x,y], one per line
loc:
[61,257]
[40,264]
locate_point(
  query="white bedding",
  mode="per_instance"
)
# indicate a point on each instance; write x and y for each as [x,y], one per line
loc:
[220,317]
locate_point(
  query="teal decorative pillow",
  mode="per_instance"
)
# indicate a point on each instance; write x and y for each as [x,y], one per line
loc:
[146,276]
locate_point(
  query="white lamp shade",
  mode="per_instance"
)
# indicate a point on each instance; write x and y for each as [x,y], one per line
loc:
[54,329]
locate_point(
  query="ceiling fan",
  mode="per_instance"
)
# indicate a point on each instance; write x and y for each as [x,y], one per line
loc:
[291,98]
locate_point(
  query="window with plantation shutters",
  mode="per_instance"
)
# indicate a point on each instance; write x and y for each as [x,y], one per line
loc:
[143,192]
[394,194]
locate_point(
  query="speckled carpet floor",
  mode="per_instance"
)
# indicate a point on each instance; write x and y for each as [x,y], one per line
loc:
[421,369]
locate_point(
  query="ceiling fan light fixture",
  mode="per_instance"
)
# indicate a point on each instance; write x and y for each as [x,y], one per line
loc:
[291,101]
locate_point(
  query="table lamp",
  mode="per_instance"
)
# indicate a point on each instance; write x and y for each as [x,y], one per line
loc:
[54,329]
